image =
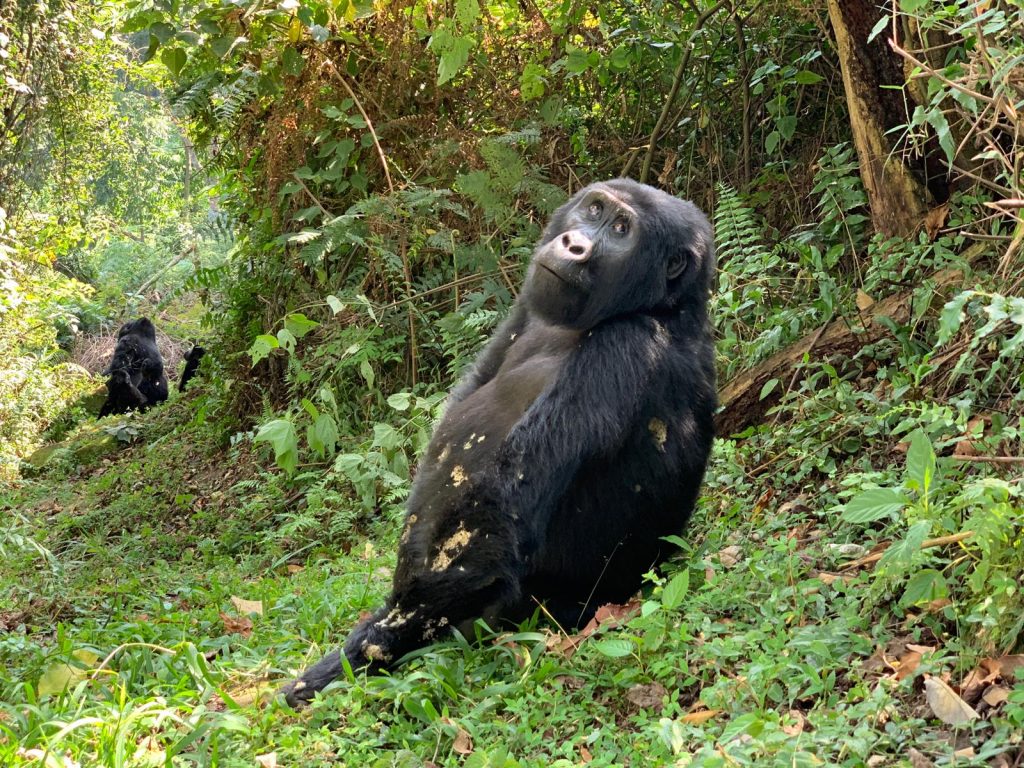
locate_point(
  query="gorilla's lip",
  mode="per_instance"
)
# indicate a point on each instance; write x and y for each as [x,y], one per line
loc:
[567,279]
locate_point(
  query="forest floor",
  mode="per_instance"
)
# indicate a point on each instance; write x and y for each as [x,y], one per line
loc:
[153,602]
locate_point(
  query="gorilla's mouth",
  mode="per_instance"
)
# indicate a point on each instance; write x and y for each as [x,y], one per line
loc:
[549,269]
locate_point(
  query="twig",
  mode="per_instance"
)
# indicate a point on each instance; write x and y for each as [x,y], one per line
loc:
[989,459]
[926,544]
[677,81]
[314,198]
[369,123]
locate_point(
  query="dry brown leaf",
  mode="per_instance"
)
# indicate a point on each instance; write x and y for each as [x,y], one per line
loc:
[995,695]
[293,569]
[831,578]
[585,755]
[935,219]
[701,717]
[1011,666]
[730,556]
[864,300]
[247,606]
[906,665]
[986,673]
[647,696]
[610,615]
[570,683]
[875,760]
[268,760]
[946,705]
[965,752]
[463,744]
[368,551]
[236,625]
[797,726]
[917,760]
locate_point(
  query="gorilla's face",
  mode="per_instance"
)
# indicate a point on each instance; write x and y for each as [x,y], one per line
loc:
[614,248]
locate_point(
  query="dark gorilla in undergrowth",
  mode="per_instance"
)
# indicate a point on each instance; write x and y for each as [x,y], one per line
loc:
[577,441]
[137,380]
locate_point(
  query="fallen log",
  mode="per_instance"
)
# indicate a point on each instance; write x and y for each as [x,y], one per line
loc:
[740,400]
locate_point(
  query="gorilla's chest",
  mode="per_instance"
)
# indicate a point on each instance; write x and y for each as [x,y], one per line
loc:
[532,362]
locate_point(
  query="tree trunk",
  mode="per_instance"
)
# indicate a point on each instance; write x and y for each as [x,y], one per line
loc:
[898,200]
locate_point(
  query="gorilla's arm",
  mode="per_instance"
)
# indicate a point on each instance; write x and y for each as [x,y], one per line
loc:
[592,407]
[486,366]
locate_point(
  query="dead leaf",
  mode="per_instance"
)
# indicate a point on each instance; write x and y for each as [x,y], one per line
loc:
[986,673]
[917,760]
[906,665]
[875,760]
[935,219]
[585,755]
[700,717]
[647,696]
[946,705]
[730,556]
[864,300]
[293,569]
[965,752]
[995,695]
[797,726]
[1009,666]
[236,625]
[463,744]
[831,578]
[268,760]
[368,551]
[247,606]
[610,615]
[570,683]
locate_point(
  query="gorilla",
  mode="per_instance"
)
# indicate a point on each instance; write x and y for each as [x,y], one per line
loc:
[191,366]
[575,443]
[137,380]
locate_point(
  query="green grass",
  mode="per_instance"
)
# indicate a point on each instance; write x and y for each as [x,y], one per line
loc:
[118,582]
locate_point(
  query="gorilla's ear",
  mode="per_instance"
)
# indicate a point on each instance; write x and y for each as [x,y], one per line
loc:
[677,263]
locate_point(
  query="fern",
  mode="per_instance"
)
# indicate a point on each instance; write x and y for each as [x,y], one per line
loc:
[737,230]
[229,99]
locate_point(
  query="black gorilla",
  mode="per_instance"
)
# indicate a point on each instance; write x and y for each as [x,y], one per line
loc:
[576,442]
[136,371]
[191,366]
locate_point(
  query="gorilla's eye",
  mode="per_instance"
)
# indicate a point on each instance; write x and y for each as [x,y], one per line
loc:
[595,209]
[621,226]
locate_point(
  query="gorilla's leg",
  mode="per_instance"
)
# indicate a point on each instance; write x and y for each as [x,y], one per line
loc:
[426,609]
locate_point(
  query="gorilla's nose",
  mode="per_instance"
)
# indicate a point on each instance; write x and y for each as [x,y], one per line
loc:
[576,246]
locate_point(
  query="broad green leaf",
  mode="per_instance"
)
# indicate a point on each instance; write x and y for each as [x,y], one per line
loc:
[400,401]
[768,387]
[286,339]
[533,81]
[807,77]
[920,462]
[336,304]
[280,433]
[614,647]
[261,347]
[322,434]
[676,590]
[298,324]
[937,120]
[924,586]
[874,504]
[174,59]
[577,61]
[952,317]
[367,373]
[466,12]
[901,553]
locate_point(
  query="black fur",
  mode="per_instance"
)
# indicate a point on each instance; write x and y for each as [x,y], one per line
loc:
[577,441]
[137,380]
[191,366]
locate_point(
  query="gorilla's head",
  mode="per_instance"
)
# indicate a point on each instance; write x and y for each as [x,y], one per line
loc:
[620,247]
